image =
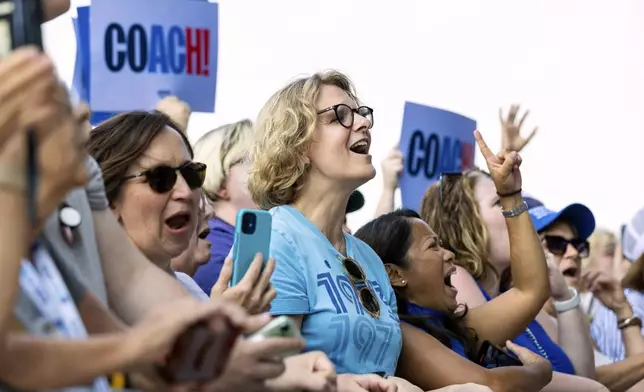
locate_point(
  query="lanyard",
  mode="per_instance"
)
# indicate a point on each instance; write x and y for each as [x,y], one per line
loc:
[42,282]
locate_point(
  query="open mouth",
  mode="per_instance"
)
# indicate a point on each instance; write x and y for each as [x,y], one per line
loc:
[360,147]
[570,272]
[448,278]
[178,221]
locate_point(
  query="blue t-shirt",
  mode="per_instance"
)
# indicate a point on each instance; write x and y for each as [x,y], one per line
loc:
[310,280]
[222,236]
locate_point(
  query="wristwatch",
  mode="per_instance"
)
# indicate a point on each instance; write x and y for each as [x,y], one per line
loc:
[629,322]
[516,211]
[572,303]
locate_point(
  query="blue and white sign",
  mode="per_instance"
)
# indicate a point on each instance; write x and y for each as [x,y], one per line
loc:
[433,141]
[144,50]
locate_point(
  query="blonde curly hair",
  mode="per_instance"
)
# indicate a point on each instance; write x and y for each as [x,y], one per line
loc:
[283,133]
[457,221]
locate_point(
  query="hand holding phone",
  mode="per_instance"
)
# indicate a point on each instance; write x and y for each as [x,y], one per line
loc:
[252,236]
[279,327]
[491,356]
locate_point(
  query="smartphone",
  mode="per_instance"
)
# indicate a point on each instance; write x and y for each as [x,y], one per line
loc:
[20,22]
[200,354]
[279,327]
[491,356]
[252,236]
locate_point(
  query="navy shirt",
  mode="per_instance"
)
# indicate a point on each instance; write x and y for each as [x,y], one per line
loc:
[222,236]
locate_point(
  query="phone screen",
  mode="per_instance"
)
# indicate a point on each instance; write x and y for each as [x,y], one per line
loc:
[492,357]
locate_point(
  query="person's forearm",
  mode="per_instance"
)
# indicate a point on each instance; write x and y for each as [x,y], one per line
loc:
[134,284]
[632,336]
[622,375]
[97,317]
[516,378]
[574,338]
[34,363]
[14,240]
[562,382]
[528,262]
[386,202]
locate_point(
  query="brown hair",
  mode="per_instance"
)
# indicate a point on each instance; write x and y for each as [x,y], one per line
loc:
[457,221]
[119,142]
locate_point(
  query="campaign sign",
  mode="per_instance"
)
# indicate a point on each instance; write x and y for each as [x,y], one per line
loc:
[80,81]
[433,141]
[144,50]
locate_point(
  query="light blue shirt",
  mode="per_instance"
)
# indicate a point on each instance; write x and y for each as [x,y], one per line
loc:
[603,327]
[310,280]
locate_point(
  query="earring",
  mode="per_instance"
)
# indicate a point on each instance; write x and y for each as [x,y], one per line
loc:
[403,281]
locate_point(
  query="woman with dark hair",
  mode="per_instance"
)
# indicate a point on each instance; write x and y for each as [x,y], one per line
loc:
[420,271]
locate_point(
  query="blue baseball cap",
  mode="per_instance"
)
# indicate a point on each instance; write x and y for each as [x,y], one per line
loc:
[578,215]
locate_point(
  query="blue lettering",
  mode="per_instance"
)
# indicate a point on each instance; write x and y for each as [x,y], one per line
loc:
[341,324]
[176,39]
[457,152]
[364,335]
[161,49]
[326,280]
[137,33]
[114,60]
[349,292]
[446,156]
[158,57]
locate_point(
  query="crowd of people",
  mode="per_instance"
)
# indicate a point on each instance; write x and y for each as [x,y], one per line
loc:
[125,248]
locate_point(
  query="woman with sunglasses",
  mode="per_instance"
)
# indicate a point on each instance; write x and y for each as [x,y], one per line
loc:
[466,213]
[312,151]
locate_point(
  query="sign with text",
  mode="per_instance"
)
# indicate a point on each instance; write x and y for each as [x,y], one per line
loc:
[144,50]
[433,141]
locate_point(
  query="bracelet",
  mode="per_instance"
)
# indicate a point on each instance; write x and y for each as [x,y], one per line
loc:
[572,303]
[509,193]
[629,322]
[13,178]
[515,211]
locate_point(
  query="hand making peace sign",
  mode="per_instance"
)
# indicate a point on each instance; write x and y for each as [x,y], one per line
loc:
[503,167]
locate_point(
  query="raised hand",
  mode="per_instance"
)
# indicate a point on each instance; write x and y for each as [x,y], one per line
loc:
[312,371]
[607,290]
[511,138]
[392,167]
[178,110]
[503,167]
[254,292]
[558,286]
[543,373]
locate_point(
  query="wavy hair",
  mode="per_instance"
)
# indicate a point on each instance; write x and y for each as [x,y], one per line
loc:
[456,219]
[283,133]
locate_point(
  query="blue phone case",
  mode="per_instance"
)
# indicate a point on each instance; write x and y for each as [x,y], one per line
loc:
[247,245]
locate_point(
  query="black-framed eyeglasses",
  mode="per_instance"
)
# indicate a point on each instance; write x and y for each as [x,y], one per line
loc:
[558,245]
[346,114]
[162,178]
[443,179]
[357,277]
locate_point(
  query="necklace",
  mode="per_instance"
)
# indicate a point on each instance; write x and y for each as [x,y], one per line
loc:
[539,347]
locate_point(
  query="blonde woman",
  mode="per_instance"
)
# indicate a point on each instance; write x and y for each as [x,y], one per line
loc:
[224,150]
[312,151]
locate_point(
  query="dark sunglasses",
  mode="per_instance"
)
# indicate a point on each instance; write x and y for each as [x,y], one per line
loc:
[357,276]
[346,115]
[162,178]
[558,245]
